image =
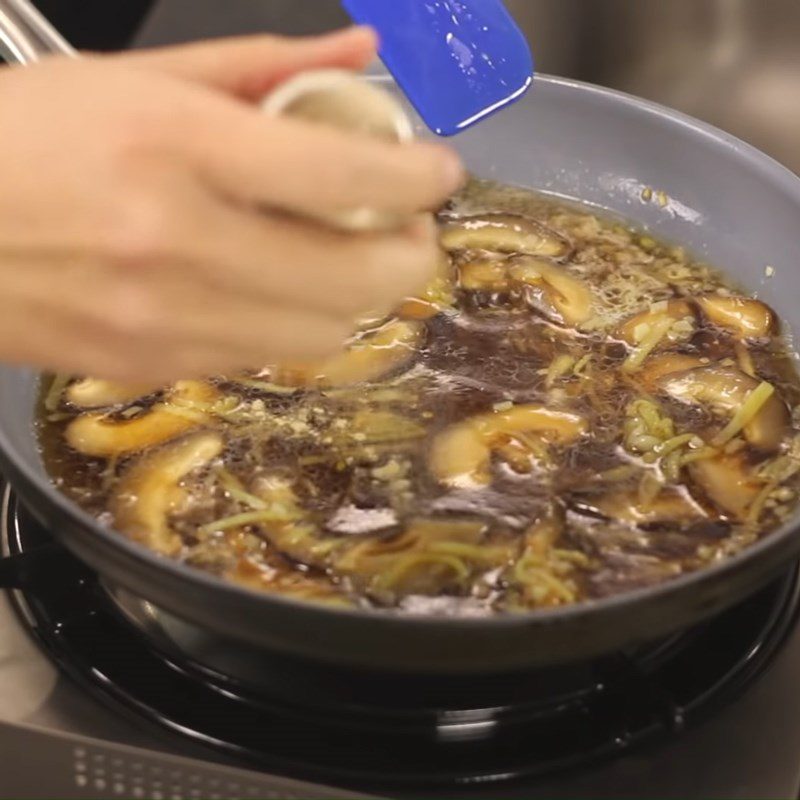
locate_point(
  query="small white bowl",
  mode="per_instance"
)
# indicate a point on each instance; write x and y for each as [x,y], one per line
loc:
[347,101]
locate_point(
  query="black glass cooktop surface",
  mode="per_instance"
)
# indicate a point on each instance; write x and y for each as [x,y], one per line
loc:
[390,732]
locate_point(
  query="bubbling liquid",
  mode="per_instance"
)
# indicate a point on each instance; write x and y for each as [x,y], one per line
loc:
[571,410]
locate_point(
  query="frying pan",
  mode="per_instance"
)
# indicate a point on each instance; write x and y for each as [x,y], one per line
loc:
[726,201]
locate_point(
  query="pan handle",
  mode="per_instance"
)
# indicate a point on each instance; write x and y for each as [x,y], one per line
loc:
[26,35]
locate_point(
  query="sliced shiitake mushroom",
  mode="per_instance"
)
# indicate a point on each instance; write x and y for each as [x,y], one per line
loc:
[744,316]
[416,308]
[726,390]
[502,233]
[99,393]
[460,455]
[657,367]
[552,290]
[635,329]
[149,491]
[670,505]
[101,435]
[389,348]
[483,274]
[728,481]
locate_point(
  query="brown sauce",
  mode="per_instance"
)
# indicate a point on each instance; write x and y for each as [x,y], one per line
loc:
[573,409]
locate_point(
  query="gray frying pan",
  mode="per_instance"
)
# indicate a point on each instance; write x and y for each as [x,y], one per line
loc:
[726,201]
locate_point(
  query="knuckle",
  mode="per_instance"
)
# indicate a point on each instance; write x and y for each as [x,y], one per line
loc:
[143,230]
[136,309]
[133,136]
[129,139]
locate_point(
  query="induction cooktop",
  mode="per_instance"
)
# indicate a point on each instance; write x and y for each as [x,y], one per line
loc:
[95,703]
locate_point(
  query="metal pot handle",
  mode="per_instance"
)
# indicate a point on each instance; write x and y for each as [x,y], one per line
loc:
[26,35]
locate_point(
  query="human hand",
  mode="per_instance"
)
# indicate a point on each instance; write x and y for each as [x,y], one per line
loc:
[151,219]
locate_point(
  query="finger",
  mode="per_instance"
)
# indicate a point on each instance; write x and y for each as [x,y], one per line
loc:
[306,265]
[155,320]
[197,339]
[305,168]
[254,334]
[189,313]
[249,66]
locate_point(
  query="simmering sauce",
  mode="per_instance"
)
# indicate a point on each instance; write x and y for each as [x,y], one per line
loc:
[571,410]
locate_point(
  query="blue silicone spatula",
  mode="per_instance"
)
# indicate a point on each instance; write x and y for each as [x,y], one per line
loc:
[457,61]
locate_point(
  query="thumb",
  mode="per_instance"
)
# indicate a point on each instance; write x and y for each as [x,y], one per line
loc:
[249,66]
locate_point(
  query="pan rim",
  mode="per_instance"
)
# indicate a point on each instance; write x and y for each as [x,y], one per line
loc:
[16,466]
